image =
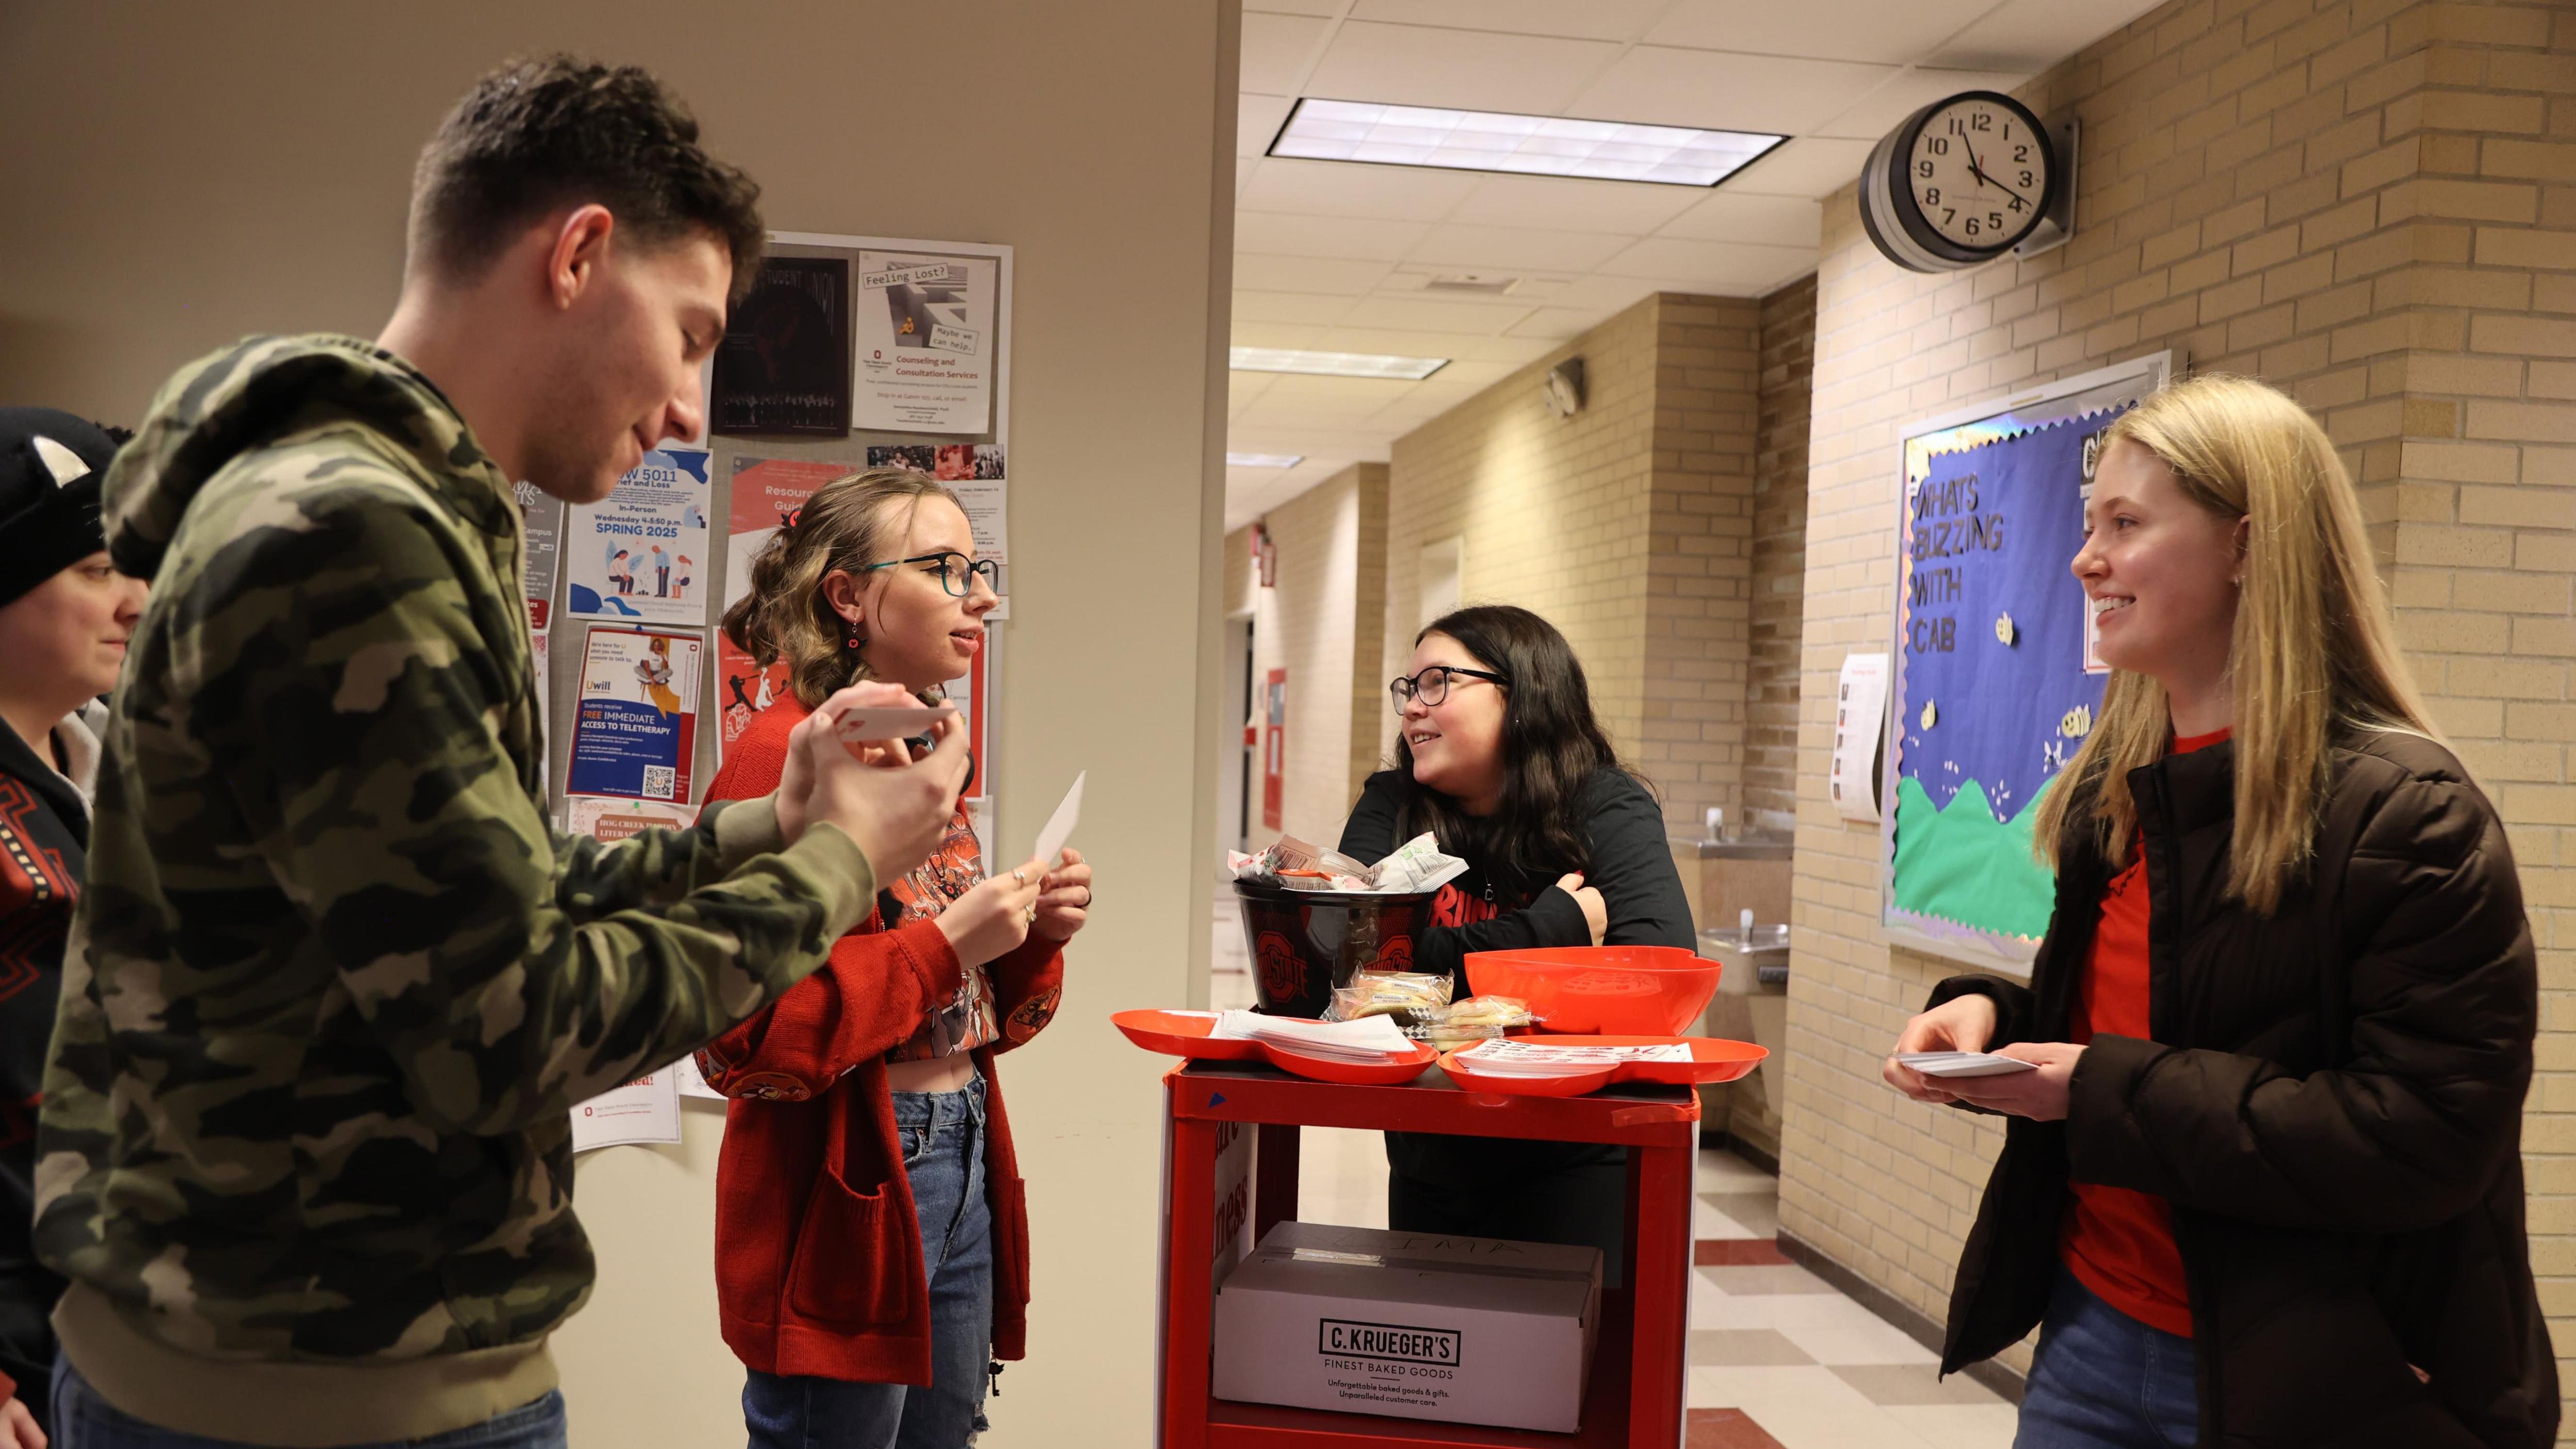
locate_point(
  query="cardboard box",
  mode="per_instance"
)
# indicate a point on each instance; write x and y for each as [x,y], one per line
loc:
[1413,1325]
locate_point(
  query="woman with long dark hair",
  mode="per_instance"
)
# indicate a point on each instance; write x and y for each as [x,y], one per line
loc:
[2262,1185]
[1501,757]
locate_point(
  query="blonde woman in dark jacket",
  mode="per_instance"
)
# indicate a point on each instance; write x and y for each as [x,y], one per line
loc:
[2264,1186]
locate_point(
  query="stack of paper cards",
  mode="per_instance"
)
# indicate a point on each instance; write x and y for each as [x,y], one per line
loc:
[1371,1039]
[1506,1056]
[1962,1064]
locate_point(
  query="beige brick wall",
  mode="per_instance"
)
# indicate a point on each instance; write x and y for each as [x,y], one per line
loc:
[2370,204]
[1788,361]
[1320,622]
[1629,526]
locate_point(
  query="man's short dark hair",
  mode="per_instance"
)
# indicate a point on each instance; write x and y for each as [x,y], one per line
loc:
[538,135]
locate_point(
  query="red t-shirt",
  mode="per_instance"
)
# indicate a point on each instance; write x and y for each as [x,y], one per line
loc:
[2117,1241]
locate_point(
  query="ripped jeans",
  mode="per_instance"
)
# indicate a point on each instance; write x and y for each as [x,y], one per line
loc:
[943,1154]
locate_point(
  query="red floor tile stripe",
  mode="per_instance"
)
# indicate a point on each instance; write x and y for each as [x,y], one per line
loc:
[1726,1429]
[1736,1252]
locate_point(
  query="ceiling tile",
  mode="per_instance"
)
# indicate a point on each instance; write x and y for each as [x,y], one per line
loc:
[1664,86]
[1289,234]
[1883,109]
[1484,319]
[1307,274]
[1808,166]
[1556,324]
[1257,120]
[1427,66]
[1894,31]
[1593,20]
[2032,35]
[1291,335]
[1325,8]
[1725,269]
[1517,249]
[1628,207]
[1728,216]
[1290,307]
[1341,188]
[1603,295]
[1275,51]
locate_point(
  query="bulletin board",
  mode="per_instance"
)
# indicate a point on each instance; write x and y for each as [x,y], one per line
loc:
[1994,685]
[763,459]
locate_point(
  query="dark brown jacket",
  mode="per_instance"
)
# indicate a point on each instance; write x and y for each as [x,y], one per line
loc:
[2332,1104]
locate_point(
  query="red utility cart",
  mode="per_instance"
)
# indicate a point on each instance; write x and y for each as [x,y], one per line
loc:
[1635,1397]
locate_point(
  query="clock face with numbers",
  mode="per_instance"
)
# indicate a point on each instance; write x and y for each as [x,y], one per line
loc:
[1960,182]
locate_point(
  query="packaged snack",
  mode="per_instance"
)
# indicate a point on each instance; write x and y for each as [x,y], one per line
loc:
[1400,994]
[1475,1019]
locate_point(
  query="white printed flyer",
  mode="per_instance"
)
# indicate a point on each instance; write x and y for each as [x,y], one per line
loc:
[644,1110]
[926,343]
[640,554]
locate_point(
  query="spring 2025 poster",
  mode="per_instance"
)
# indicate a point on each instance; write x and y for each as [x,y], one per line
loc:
[640,554]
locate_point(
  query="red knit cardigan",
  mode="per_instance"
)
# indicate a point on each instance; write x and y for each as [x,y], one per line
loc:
[818,1252]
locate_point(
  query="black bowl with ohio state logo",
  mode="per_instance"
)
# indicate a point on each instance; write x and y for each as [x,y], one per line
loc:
[1305,943]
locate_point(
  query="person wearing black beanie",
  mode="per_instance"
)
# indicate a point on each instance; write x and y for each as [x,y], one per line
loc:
[65,615]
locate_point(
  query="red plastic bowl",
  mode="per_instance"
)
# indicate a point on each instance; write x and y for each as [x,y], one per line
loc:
[1609,990]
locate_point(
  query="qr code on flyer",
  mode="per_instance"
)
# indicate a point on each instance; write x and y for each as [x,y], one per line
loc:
[660,781]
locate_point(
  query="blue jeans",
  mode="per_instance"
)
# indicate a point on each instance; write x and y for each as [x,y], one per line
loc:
[943,1154]
[83,1419]
[2103,1380]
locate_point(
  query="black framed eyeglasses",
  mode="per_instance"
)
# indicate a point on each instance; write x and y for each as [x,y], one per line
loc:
[1431,686]
[956,572]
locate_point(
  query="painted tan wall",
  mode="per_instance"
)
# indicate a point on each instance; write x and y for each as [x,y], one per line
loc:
[192,174]
[2372,204]
[1319,621]
[1629,526]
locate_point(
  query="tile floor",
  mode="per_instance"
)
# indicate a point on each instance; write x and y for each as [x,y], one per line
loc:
[1778,1358]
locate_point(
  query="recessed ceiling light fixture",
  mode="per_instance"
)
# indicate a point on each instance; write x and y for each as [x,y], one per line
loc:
[1264,460]
[1320,130]
[1333,364]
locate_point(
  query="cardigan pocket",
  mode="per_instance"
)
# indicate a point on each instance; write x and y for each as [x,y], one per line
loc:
[1011,1230]
[850,1265]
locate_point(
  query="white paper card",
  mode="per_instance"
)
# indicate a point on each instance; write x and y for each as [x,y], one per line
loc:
[1059,826]
[644,1110]
[1962,1064]
[1514,1057]
[693,1083]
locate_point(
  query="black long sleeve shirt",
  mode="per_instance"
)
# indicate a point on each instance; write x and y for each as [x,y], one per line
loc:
[1632,867]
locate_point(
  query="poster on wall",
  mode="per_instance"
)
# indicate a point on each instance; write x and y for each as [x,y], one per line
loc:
[766,493]
[1991,695]
[976,473]
[1274,748]
[634,732]
[609,821]
[540,648]
[542,514]
[644,1110]
[926,342]
[784,364]
[640,554]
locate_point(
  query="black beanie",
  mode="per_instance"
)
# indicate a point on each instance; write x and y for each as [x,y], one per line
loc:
[51,465]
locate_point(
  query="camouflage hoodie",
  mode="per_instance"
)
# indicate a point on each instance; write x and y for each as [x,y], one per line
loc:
[334,983]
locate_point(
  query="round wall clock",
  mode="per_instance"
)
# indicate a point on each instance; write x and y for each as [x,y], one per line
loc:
[1959,182]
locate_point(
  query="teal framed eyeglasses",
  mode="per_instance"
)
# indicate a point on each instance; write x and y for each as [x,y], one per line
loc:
[956,572]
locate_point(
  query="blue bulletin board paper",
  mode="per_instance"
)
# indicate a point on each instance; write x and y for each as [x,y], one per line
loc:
[1991,696]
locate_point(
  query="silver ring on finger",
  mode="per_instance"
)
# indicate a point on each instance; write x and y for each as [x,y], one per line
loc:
[1033,915]
[1020,877]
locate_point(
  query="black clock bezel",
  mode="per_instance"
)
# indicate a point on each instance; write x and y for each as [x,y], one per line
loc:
[1909,214]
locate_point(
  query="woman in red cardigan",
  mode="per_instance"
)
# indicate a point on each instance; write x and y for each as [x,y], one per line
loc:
[871,1229]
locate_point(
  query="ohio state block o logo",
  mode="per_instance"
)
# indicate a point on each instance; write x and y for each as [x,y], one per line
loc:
[1394,955]
[1283,971]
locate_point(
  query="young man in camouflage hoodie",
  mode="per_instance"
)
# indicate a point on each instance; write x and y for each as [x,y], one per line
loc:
[304,1155]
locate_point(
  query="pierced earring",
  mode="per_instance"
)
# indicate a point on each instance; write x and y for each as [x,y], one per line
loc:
[856,640]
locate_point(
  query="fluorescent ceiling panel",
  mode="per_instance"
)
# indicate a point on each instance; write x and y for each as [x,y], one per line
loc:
[1321,130]
[1333,364]
[1263,460]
